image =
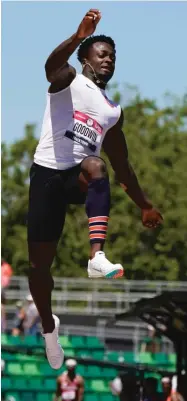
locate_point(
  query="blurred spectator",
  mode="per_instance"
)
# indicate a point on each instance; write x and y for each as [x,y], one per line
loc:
[70,385]
[170,389]
[116,386]
[6,273]
[151,343]
[166,388]
[2,367]
[126,386]
[177,397]
[3,312]
[150,390]
[32,319]
[2,374]
[19,318]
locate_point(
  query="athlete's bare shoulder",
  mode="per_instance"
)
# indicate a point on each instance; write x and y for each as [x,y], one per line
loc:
[62,376]
[80,379]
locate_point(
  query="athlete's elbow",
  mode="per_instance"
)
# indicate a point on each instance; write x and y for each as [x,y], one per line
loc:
[48,73]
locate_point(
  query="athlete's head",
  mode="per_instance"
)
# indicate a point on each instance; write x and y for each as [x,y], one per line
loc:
[166,385]
[98,53]
[71,366]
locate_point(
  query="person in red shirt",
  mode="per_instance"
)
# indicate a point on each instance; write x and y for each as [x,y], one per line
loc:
[6,273]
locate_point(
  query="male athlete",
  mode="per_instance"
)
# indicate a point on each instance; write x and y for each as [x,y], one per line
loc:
[78,120]
[70,386]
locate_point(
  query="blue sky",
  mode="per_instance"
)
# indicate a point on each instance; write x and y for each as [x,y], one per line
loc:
[151,51]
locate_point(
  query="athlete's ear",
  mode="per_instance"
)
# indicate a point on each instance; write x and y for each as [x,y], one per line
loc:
[83,63]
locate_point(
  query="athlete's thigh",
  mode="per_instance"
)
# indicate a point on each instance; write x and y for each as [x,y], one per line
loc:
[47,206]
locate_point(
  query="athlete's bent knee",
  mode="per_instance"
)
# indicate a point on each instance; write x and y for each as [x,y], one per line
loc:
[40,278]
[41,254]
[94,167]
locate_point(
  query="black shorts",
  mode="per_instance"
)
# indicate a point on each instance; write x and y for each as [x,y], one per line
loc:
[49,194]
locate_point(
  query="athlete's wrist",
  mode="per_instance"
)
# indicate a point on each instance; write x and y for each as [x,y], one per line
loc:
[79,37]
[147,205]
[140,199]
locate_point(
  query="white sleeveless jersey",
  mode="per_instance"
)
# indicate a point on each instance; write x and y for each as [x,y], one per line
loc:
[75,122]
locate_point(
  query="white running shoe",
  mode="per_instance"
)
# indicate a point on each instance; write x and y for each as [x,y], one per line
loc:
[54,351]
[100,266]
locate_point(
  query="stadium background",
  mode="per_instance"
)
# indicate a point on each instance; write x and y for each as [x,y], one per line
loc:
[101,347]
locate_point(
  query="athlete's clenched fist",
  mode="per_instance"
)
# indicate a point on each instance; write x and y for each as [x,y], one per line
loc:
[88,24]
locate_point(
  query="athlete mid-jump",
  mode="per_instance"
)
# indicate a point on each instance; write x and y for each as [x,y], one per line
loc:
[79,119]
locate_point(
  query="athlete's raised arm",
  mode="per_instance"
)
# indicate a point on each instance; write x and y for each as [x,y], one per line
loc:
[115,147]
[56,63]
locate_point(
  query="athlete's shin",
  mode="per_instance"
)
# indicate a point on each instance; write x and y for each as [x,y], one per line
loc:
[41,285]
[98,209]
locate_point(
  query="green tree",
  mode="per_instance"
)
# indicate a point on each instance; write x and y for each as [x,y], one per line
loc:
[157,143]
[16,160]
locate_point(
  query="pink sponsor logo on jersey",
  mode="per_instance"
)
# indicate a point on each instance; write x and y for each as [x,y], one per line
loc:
[89,121]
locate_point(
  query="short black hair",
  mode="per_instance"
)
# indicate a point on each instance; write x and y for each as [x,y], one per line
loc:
[84,47]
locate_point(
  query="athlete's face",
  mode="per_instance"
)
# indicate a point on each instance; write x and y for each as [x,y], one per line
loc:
[71,371]
[166,387]
[102,58]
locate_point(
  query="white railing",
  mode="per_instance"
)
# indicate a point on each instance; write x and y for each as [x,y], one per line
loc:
[93,296]
[65,284]
[124,331]
[83,301]
[99,298]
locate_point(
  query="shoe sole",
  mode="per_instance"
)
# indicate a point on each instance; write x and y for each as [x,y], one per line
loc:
[114,274]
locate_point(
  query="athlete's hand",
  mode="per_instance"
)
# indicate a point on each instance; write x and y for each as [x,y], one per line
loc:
[151,218]
[88,24]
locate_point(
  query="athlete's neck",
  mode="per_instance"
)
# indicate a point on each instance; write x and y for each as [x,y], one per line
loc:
[71,375]
[90,75]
